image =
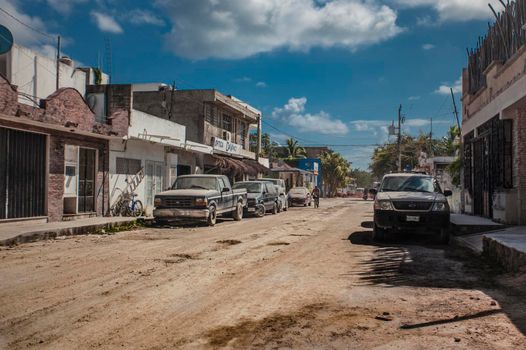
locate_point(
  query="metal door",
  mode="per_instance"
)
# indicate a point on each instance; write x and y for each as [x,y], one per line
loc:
[154,180]
[22,174]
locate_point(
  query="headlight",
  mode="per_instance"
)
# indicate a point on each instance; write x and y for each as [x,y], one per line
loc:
[201,202]
[440,206]
[157,201]
[383,205]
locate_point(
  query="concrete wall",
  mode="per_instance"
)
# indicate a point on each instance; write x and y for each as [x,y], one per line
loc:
[35,74]
[134,149]
[147,126]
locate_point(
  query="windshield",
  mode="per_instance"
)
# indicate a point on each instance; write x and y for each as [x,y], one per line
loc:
[201,183]
[251,187]
[408,184]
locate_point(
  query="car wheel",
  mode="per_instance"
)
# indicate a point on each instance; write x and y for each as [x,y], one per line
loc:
[378,233]
[238,213]
[212,216]
[260,212]
[444,236]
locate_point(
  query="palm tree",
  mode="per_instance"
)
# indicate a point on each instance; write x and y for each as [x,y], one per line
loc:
[294,150]
[335,169]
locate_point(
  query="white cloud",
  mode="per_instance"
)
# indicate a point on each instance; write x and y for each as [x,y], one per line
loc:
[413,98]
[139,16]
[22,35]
[293,113]
[261,84]
[106,23]
[455,10]
[64,6]
[445,88]
[241,28]
[428,47]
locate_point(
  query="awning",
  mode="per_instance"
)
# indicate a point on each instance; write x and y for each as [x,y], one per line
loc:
[236,167]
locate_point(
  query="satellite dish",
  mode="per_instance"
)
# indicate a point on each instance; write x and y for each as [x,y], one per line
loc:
[6,40]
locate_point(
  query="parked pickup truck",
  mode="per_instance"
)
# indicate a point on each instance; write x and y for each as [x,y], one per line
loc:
[201,198]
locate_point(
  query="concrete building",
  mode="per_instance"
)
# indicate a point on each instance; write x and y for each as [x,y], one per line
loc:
[35,75]
[211,119]
[154,151]
[494,122]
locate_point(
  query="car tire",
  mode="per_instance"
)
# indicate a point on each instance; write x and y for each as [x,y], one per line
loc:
[238,212]
[444,236]
[212,216]
[260,212]
[378,233]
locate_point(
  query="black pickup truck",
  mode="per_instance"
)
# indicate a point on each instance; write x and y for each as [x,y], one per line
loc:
[200,198]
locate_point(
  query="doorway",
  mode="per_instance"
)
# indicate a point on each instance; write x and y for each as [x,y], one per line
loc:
[154,180]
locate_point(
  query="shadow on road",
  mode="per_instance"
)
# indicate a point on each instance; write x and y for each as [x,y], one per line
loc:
[413,260]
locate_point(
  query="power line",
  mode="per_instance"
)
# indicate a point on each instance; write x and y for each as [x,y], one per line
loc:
[26,25]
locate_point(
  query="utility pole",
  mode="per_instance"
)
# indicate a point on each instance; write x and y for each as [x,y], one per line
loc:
[400,138]
[455,108]
[58,63]
[258,146]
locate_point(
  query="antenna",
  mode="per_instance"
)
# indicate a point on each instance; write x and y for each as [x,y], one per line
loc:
[107,60]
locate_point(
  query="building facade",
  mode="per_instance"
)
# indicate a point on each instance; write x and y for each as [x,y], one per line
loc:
[211,119]
[54,156]
[494,123]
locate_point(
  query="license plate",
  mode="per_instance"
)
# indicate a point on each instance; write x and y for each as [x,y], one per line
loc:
[251,209]
[410,218]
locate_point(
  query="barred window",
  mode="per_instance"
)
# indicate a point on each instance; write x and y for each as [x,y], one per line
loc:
[227,122]
[128,166]
[508,153]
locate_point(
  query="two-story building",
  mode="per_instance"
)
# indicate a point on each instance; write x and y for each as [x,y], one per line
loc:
[494,121]
[213,119]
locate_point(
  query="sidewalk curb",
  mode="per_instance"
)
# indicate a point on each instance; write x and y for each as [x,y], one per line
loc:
[45,234]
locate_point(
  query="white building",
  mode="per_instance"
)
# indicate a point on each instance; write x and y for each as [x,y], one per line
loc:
[35,75]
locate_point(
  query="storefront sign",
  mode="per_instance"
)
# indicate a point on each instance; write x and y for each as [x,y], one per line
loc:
[227,147]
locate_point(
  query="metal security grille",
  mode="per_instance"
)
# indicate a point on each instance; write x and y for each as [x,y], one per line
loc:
[22,174]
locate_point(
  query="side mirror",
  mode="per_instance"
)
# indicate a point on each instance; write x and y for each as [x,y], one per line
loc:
[373,191]
[448,193]
[225,189]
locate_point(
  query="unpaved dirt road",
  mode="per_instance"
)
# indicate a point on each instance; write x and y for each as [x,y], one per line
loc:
[306,279]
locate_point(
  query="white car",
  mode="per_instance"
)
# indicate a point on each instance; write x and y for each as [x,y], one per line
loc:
[283,198]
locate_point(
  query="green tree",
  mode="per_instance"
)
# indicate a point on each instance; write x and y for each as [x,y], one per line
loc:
[363,178]
[335,169]
[294,150]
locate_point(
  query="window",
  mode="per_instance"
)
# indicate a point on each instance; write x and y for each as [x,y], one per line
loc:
[508,153]
[242,133]
[128,166]
[227,122]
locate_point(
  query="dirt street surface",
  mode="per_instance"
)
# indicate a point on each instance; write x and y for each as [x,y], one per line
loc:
[305,279]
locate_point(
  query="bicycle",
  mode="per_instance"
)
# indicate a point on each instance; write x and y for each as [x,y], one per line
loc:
[127,205]
[316,202]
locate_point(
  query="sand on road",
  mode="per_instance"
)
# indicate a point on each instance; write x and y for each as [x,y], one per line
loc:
[308,278]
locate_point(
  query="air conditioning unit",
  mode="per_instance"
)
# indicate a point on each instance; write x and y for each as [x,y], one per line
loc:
[227,135]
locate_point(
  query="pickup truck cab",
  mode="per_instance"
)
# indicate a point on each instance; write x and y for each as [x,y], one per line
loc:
[200,198]
[411,202]
[262,197]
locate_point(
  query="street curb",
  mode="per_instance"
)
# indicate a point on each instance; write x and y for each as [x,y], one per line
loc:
[46,234]
[508,257]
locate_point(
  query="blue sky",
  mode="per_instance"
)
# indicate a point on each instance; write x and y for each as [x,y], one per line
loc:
[326,71]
